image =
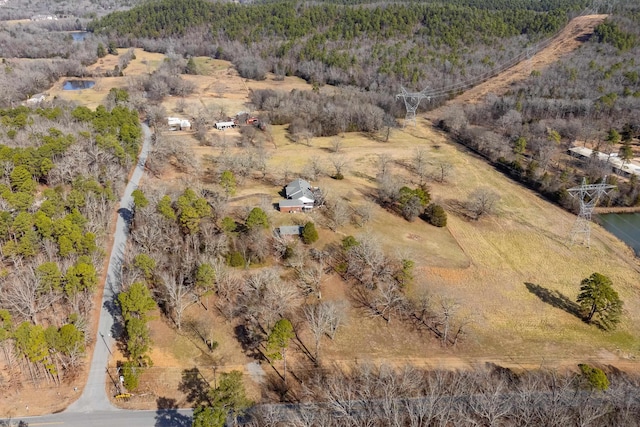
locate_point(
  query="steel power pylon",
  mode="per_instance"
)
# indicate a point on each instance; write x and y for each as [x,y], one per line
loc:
[411,102]
[588,196]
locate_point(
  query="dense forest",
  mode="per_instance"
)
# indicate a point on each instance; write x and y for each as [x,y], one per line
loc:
[62,169]
[591,98]
[374,47]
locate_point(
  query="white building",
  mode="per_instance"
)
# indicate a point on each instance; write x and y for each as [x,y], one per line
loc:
[225,125]
[176,123]
[617,164]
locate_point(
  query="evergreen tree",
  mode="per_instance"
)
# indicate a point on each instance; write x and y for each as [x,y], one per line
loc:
[257,218]
[278,342]
[309,233]
[101,51]
[598,299]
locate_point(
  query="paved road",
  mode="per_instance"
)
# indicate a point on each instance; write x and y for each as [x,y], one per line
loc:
[93,407]
[114,417]
[94,397]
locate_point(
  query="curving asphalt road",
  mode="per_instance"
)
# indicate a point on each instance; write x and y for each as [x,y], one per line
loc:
[93,408]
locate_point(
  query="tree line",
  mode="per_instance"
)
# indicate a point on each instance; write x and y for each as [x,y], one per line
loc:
[382,395]
[374,47]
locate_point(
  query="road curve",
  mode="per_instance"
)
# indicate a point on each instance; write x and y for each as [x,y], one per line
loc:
[94,396]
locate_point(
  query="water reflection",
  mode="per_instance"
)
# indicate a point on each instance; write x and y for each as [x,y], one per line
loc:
[78,84]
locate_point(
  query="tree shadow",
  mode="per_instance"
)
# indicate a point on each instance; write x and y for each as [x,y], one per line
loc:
[127,215]
[167,414]
[555,298]
[249,341]
[194,386]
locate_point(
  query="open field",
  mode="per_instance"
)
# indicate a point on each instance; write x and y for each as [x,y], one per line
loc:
[483,264]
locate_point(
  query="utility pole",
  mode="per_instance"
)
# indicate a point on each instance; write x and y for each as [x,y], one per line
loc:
[588,196]
[411,103]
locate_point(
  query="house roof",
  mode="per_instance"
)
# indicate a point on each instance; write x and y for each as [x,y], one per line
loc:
[298,189]
[289,230]
[291,203]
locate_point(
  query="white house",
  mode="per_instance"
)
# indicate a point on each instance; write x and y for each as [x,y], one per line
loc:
[300,197]
[176,123]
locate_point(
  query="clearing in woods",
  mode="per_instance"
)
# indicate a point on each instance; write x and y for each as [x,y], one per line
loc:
[569,39]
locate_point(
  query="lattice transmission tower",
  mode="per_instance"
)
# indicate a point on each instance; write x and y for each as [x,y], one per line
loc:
[588,196]
[411,102]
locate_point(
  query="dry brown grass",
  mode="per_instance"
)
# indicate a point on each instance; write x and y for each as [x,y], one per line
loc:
[482,264]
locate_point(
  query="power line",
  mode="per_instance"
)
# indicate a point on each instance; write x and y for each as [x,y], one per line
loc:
[526,54]
[411,103]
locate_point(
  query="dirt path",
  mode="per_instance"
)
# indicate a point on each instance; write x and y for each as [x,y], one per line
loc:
[569,39]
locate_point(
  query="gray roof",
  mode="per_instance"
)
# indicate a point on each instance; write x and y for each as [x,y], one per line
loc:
[290,230]
[295,203]
[299,188]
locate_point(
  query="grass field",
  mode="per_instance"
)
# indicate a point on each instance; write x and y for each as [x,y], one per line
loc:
[485,265]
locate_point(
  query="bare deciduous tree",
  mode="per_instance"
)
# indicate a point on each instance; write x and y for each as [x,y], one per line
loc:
[314,168]
[310,276]
[337,214]
[420,165]
[443,171]
[384,164]
[363,213]
[178,294]
[339,163]
[482,201]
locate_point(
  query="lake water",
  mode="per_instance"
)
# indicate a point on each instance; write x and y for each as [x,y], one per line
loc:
[78,84]
[79,36]
[625,226]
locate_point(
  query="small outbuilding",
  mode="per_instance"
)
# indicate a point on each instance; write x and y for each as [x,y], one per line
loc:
[289,230]
[225,125]
[176,123]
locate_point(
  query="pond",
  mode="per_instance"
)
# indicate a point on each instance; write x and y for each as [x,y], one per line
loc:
[79,36]
[625,226]
[78,84]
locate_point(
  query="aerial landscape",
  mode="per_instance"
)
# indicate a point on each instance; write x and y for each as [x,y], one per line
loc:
[329,213]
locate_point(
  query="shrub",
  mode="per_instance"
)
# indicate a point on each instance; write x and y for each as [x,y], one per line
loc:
[436,215]
[131,373]
[235,259]
[595,377]
[309,233]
